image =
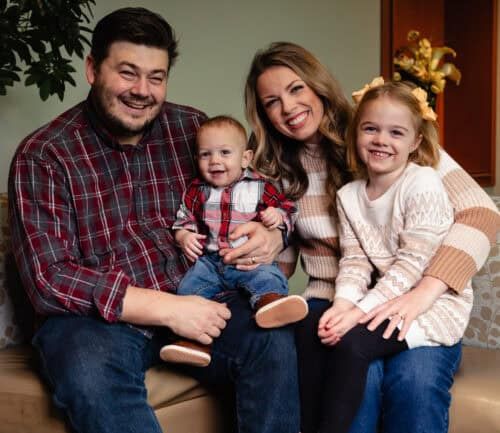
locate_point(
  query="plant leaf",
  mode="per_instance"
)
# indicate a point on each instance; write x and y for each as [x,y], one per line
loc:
[45,89]
[32,34]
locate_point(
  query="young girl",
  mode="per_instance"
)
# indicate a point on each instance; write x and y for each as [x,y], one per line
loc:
[391,222]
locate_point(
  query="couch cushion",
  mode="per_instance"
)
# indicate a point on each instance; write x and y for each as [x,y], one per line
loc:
[484,325]
[10,332]
[475,405]
[25,404]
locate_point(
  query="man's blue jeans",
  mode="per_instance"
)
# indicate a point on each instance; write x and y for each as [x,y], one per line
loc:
[96,371]
[408,392]
[210,276]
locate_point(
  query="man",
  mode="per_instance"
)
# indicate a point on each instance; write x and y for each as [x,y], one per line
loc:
[93,196]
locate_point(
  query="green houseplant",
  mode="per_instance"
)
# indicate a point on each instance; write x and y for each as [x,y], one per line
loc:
[38,38]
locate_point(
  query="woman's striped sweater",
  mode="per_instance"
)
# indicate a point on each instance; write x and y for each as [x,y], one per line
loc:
[462,254]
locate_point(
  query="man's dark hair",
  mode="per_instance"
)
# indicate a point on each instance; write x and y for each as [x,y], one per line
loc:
[136,25]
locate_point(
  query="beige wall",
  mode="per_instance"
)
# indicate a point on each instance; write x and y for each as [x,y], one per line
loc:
[217,41]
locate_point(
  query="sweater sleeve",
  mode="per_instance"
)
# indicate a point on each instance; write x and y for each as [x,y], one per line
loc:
[355,269]
[467,245]
[287,260]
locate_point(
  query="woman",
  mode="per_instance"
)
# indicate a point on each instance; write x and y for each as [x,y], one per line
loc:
[299,118]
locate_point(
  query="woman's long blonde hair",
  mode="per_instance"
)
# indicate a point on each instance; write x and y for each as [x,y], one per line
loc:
[276,155]
[426,154]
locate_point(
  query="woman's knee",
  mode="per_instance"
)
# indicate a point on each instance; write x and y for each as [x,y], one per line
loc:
[423,375]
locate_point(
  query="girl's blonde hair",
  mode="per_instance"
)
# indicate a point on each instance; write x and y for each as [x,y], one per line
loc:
[276,155]
[426,154]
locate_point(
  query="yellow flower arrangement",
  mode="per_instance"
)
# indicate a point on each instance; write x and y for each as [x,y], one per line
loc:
[423,64]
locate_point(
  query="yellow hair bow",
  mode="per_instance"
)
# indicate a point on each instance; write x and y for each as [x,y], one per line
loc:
[427,112]
[419,93]
[358,94]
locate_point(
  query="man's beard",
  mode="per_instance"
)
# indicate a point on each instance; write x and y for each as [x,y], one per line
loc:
[116,126]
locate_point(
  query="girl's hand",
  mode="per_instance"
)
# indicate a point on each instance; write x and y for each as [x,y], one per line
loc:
[190,244]
[337,320]
[405,308]
[271,217]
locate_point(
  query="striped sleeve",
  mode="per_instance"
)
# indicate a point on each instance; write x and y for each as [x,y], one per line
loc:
[467,245]
[287,260]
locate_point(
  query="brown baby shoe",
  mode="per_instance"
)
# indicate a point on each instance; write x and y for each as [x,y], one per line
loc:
[274,310]
[186,352]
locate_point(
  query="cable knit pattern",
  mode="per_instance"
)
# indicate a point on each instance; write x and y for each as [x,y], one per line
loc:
[463,252]
[397,234]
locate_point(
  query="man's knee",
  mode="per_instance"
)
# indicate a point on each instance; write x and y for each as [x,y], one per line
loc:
[79,358]
[274,348]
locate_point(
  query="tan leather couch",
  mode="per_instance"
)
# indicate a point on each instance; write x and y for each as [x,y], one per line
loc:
[183,406]
[180,403]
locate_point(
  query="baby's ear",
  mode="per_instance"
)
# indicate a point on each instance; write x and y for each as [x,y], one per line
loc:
[246,159]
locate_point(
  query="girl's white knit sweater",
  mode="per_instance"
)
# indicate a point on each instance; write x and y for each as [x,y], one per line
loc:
[462,253]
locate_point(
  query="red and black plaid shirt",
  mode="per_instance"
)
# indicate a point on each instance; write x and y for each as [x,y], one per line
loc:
[91,216]
[216,212]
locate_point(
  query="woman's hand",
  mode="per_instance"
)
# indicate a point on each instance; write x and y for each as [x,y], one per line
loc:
[405,308]
[262,246]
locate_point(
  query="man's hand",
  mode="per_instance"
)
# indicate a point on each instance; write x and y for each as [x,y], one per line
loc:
[405,308]
[263,246]
[197,318]
[190,243]
[191,317]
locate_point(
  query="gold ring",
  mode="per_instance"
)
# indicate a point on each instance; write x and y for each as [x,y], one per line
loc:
[253,260]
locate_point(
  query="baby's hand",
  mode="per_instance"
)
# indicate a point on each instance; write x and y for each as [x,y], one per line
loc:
[271,217]
[190,243]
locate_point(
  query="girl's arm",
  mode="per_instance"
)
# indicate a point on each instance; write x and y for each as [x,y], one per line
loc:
[355,270]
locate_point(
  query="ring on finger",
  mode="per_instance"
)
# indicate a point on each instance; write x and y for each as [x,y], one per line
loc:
[253,260]
[402,317]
